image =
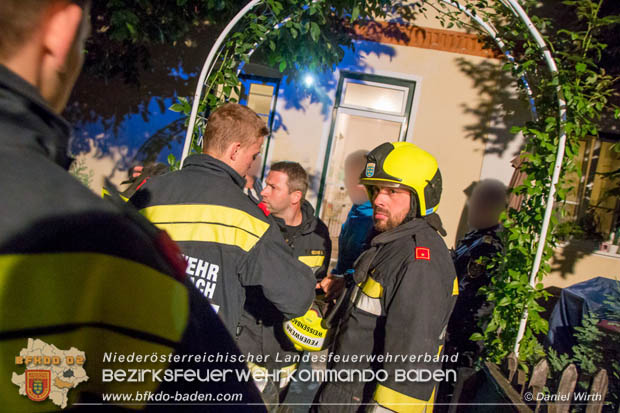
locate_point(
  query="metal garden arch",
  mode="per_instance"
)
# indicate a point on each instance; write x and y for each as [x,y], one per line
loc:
[517,10]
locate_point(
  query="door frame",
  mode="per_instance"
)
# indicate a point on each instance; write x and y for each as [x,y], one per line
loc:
[252,78]
[409,82]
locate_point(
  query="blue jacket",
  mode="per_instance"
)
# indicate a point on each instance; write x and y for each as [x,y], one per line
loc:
[354,237]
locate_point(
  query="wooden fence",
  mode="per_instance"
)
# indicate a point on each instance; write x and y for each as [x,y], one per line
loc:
[532,396]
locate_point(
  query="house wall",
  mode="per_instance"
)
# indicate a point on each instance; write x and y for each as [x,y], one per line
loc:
[576,263]
[442,118]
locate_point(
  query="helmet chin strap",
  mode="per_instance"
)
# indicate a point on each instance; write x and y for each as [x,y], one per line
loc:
[413,208]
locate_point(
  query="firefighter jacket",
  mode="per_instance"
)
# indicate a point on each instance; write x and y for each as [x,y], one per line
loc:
[310,241]
[262,331]
[395,321]
[229,243]
[78,271]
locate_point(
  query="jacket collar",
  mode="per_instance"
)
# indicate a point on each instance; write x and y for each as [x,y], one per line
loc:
[404,230]
[364,209]
[215,166]
[25,110]
[308,219]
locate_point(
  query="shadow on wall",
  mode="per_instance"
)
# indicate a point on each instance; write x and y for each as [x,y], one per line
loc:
[128,123]
[463,226]
[498,109]
[572,252]
[297,93]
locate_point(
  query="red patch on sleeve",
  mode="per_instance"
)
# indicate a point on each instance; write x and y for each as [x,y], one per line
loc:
[422,253]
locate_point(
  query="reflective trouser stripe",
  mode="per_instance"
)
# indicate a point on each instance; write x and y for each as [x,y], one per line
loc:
[312,261]
[46,290]
[208,223]
[399,402]
[455,287]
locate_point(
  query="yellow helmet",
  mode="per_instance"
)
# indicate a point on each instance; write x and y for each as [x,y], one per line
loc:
[405,165]
[309,332]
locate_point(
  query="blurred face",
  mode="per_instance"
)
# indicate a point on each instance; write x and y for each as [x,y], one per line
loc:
[244,156]
[276,194]
[355,190]
[390,205]
[481,212]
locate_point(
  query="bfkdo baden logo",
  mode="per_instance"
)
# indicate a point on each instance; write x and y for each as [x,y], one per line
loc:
[38,384]
[50,372]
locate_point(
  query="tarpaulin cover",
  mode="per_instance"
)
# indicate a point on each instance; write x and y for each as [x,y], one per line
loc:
[575,302]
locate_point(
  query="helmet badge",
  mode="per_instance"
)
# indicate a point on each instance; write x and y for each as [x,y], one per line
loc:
[370,169]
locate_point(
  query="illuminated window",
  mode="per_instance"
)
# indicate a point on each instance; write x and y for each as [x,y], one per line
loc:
[593,202]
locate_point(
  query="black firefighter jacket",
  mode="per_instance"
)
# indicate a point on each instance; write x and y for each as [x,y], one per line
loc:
[310,242]
[229,243]
[399,309]
[78,271]
[261,328]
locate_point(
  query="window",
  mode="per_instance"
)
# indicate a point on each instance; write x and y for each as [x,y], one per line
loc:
[259,94]
[593,202]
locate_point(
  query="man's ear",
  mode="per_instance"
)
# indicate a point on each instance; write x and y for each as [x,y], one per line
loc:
[296,197]
[62,25]
[233,150]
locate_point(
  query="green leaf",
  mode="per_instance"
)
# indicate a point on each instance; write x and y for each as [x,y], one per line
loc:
[355,13]
[171,160]
[315,31]
[177,107]
[282,66]
[476,337]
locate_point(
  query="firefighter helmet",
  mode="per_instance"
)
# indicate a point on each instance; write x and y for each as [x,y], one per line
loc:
[405,165]
[313,331]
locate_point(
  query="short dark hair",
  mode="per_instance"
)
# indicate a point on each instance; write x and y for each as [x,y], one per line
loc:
[297,176]
[230,123]
[19,20]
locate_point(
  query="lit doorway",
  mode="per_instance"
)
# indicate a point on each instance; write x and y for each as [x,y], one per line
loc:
[369,110]
[260,94]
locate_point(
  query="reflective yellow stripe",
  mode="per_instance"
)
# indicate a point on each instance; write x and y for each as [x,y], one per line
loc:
[312,260]
[40,290]
[94,342]
[210,233]
[208,223]
[370,305]
[455,287]
[440,348]
[400,402]
[105,192]
[372,288]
